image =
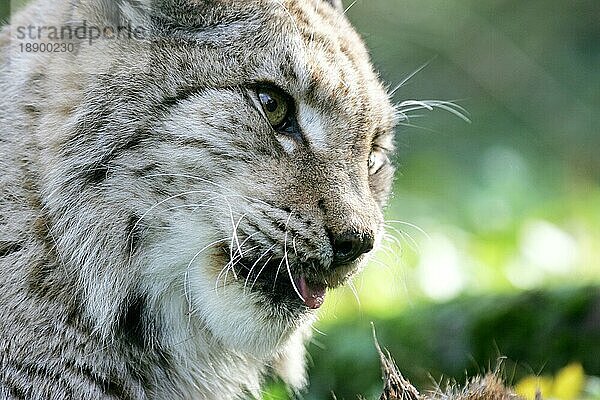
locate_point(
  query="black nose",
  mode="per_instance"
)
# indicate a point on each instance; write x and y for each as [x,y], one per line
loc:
[347,247]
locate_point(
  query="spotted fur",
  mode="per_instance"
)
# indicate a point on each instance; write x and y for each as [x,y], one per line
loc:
[136,174]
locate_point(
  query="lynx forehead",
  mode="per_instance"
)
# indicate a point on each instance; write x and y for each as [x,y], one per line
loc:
[187,197]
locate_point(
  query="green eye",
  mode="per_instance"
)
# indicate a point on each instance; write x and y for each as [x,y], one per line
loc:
[276,106]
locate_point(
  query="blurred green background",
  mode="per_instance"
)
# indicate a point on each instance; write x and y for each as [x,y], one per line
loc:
[494,226]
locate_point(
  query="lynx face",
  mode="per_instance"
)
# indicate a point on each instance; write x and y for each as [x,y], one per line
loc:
[262,179]
[220,175]
[272,168]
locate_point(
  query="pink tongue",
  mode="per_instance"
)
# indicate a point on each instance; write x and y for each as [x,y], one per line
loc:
[313,295]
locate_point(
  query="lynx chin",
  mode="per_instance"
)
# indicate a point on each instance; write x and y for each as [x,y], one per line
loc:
[174,207]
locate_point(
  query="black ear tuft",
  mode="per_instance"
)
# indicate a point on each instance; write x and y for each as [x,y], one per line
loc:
[337,4]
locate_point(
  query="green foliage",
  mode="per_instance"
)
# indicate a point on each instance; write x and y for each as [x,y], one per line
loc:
[538,332]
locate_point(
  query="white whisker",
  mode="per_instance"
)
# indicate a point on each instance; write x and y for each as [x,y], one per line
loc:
[285,257]
[231,265]
[318,331]
[391,238]
[421,230]
[237,239]
[412,243]
[409,77]
[135,225]
[260,271]
[294,245]
[233,260]
[255,264]
[417,126]
[355,293]
[386,250]
[187,270]
[407,106]
[380,263]
[350,6]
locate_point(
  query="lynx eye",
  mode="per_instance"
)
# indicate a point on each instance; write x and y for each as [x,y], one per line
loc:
[376,161]
[276,106]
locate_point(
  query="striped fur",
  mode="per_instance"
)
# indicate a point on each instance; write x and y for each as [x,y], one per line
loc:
[134,171]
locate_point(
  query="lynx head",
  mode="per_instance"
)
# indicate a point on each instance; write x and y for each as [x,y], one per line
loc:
[235,163]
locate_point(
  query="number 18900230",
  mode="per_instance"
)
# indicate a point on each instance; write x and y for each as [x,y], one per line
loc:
[46,47]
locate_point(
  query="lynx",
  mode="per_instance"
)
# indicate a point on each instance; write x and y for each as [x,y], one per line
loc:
[182,183]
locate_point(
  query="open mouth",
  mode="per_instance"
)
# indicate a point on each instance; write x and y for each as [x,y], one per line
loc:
[282,281]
